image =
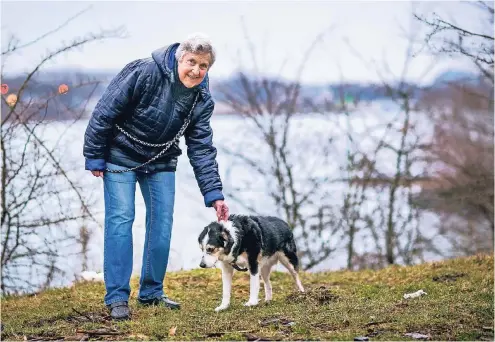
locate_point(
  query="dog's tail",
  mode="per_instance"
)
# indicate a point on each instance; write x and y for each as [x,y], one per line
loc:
[290,251]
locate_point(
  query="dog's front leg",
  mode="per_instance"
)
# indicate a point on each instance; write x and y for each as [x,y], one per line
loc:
[254,289]
[227,273]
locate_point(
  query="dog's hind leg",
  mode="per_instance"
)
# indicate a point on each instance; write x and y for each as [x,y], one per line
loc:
[227,274]
[290,261]
[265,270]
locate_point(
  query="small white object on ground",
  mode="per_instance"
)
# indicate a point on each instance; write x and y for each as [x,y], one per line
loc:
[92,276]
[418,336]
[416,294]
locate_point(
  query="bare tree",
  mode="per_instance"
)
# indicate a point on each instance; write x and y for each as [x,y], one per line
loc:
[277,167]
[369,207]
[389,169]
[361,202]
[461,167]
[451,38]
[41,197]
[277,160]
[461,154]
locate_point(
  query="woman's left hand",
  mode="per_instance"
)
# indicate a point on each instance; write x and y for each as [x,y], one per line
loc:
[222,210]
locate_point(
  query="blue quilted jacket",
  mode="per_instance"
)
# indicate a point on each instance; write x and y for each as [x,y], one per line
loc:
[147,99]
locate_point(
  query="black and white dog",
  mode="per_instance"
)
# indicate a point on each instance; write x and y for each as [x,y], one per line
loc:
[254,243]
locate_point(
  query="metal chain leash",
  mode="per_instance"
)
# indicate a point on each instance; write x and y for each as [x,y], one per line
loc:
[166,145]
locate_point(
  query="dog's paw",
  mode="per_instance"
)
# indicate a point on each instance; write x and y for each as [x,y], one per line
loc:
[221,307]
[251,303]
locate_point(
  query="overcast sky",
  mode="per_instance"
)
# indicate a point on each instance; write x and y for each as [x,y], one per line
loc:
[281,31]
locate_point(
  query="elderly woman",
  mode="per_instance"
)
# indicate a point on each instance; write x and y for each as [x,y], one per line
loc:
[132,137]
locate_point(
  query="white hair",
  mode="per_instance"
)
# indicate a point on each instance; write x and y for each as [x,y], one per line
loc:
[197,43]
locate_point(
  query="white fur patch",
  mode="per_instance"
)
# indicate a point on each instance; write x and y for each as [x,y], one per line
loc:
[209,260]
[205,239]
[241,261]
[229,226]
[254,289]
[227,272]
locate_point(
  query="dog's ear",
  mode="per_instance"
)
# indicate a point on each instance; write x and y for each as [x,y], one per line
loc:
[225,237]
[202,235]
[228,241]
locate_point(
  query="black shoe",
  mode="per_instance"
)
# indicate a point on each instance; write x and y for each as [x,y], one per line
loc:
[161,301]
[119,311]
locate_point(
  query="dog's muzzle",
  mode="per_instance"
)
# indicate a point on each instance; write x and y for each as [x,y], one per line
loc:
[207,261]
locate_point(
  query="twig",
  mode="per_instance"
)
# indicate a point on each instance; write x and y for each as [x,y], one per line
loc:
[228,332]
[376,323]
[44,338]
[98,332]
[83,315]
[14,48]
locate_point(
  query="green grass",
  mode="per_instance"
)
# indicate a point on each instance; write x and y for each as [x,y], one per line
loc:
[337,306]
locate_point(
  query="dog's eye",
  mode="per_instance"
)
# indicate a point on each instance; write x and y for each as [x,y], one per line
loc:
[210,249]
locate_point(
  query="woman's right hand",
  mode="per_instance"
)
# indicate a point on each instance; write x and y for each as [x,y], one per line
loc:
[97,173]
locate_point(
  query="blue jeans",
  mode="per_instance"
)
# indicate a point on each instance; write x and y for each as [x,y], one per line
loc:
[158,190]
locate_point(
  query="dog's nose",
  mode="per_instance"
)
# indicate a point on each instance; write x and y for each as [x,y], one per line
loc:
[202,264]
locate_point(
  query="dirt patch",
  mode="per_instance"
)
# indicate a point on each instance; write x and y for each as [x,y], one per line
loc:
[402,304]
[44,337]
[78,317]
[276,321]
[320,295]
[94,317]
[43,322]
[450,277]
[375,332]
[325,327]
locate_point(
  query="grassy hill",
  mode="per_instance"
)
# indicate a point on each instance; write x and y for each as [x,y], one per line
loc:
[337,306]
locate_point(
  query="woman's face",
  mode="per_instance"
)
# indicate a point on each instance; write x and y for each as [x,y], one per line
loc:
[192,68]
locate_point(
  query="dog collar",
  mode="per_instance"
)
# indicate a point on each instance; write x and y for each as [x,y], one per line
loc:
[234,265]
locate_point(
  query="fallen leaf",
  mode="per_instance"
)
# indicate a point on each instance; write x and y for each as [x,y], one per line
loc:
[172,330]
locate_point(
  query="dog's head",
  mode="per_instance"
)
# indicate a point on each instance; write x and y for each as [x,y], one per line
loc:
[216,241]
